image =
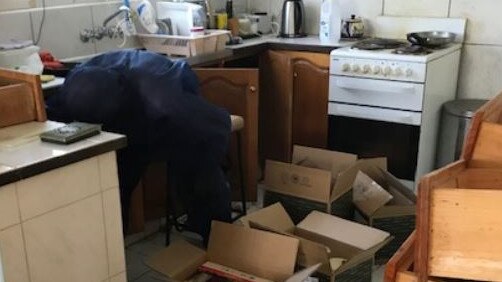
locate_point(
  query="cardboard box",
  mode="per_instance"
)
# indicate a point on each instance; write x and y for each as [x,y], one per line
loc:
[316,180]
[239,252]
[325,239]
[397,216]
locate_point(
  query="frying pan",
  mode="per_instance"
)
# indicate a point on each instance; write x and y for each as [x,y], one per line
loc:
[431,38]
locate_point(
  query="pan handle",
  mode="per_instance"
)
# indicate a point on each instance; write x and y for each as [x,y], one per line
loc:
[415,39]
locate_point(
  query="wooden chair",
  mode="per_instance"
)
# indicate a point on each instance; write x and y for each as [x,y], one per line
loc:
[21,98]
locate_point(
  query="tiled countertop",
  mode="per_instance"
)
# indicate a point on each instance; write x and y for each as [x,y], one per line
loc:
[23,155]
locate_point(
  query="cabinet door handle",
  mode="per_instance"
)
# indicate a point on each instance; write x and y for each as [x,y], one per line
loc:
[252,89]
[295,74]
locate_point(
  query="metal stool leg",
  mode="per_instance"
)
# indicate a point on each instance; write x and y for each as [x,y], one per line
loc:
[169,212]
[241,174]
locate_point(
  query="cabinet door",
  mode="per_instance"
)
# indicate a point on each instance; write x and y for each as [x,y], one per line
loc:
[275,106]
[310,100]
[237,91]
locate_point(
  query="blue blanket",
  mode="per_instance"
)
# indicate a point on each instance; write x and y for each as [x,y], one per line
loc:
[157,104]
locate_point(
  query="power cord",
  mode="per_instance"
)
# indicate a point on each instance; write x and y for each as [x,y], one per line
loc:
[41,24]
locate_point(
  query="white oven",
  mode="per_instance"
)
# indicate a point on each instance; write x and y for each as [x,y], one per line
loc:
[387,105]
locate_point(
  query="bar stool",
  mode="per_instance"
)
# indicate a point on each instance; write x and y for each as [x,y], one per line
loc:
[237,127]
[172,220]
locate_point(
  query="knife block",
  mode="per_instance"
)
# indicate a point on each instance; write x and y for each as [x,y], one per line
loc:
[21,98]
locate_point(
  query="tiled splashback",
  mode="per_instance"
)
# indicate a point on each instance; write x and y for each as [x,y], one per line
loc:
[482,55]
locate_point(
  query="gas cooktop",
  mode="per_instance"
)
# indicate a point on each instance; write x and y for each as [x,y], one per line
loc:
[401,47]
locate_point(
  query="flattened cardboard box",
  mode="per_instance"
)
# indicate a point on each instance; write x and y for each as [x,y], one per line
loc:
[233,249]
[315,176]
[397,216]
[323,238]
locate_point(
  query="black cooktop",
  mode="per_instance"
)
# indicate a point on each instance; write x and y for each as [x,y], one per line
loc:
[379,44]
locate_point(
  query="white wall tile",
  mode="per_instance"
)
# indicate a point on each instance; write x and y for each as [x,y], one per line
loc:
[13,255]
[366,9]
[68,244]
[260,5]
[9,209]
[61,29]
[6,5]
[422,8]
[276,9]
[312,13]
[58,187]
[52,3]
[483,19]
[19,23]
[480,71]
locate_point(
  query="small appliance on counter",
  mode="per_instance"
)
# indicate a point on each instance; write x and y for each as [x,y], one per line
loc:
[330,21]
[293,19]
[353,27]
[181,16]
[263,21]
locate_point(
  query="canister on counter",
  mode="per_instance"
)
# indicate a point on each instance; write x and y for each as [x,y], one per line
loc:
[221,20]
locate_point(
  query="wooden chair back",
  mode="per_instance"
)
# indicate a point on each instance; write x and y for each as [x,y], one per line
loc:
[21,98]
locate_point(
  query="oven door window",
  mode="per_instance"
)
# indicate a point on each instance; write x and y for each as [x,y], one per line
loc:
[370,138]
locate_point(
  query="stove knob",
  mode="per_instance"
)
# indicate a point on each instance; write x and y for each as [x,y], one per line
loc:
[409,72]
[345,67]
[387,71]
[366,69]
[376,70]
[355,68]
[398,72]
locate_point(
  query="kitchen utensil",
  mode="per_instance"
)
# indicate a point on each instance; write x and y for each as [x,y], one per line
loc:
[293,19]
[431,38]
[264,24]
[353,27]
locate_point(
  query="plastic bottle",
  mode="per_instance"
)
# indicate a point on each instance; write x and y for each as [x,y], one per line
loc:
[330,22]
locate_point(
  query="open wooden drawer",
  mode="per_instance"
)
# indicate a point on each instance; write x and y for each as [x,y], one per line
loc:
[21,98]
[459,225]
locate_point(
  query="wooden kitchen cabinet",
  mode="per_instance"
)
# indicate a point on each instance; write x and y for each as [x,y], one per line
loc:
[237,91]
[293,102]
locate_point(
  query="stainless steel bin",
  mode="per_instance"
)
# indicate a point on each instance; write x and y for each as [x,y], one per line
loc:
[455,121]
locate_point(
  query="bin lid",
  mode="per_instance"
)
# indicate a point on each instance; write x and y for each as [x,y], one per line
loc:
[464,108]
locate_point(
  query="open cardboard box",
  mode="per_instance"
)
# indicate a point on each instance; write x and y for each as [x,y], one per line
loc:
[403,201]
[323,238]
[397,216]
[315,175]
[239,252]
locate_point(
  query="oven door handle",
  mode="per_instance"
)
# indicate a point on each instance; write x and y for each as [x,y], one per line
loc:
[362,112]
[376,86]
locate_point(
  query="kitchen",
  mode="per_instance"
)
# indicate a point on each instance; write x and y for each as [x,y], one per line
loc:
[64,22]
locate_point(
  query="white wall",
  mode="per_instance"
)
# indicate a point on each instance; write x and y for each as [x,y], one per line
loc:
[64,20]
[481,69]
[481,60]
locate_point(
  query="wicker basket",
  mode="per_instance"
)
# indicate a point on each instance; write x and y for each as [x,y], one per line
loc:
[186,46]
